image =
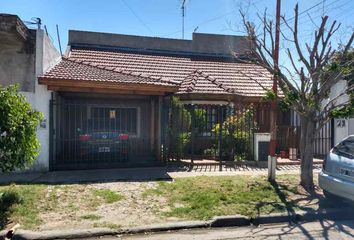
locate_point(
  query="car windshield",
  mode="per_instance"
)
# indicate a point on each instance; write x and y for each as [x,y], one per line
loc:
[346,147]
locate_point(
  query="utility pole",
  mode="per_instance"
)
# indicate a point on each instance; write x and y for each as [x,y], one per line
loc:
[272,159]
[183,13]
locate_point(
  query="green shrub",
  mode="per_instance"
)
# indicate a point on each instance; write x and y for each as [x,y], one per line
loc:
[19,146]
[179,131]
[236,135]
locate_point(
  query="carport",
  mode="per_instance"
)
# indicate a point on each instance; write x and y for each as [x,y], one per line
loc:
[104,118]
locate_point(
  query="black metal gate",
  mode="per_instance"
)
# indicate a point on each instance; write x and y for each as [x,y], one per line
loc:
[89,133]
[199,132]
[323,141]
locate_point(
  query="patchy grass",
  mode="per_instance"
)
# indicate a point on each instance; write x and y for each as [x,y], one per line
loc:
[108,195]
[29,204]
[205,197]
[106,225]
[19,204]
[47,207]
[91,217]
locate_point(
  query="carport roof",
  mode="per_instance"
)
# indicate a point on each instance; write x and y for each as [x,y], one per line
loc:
[82,76]
[76,69]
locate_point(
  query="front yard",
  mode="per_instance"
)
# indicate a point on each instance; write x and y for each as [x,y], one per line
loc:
[124,204]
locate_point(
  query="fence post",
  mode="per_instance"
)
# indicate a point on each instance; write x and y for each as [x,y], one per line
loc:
[332,132]
[220,137]
[51,132]
[178,110]
[164,125]
[192,133]
[272,163]
[159,126]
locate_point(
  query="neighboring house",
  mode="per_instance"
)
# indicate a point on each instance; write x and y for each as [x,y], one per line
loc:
[342,127]
[111,92]
[24,55]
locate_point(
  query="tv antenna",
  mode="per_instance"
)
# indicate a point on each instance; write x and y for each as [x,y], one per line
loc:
[183,14]
[35,21]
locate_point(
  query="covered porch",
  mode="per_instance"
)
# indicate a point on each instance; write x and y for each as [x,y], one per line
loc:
[209,122]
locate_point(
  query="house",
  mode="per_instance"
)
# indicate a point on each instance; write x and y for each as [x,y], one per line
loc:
[111,98]
[109,101]
[341,127]
[25,54]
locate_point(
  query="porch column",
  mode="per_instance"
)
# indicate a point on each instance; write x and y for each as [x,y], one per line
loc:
[159,127]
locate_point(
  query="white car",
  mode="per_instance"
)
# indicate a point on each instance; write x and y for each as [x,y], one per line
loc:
[337,176]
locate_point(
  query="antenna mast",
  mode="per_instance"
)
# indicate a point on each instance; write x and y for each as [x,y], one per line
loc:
[61,53]
[183,13]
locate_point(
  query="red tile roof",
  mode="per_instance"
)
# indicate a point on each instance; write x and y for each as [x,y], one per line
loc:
[200,75]
[75,69]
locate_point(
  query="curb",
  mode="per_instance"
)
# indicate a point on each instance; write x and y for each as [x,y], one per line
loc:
[219,221]
[64,234]
[229,221]
[167,227]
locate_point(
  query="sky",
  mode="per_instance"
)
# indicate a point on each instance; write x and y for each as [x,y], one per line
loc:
[163,18]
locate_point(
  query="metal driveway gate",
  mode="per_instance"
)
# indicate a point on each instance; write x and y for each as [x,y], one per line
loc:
[99,134]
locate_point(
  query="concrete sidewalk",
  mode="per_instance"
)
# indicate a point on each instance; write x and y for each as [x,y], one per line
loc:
[139,174]
[87,176]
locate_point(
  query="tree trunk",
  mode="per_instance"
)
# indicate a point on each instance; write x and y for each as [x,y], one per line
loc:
[306,152]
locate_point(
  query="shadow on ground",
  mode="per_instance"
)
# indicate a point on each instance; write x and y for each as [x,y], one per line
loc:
[87,176]
[115,175]
[7,200]
[292,206]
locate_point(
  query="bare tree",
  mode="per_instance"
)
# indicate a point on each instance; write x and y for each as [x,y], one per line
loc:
[304,82]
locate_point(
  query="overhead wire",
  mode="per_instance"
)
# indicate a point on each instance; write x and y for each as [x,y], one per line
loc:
[209,20]
[137,16]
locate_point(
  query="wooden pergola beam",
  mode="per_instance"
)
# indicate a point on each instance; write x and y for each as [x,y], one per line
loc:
[102,90]
[65,85]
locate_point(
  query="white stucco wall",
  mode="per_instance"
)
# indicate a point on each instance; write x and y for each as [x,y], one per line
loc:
[342,127]
[351,126]
[259,137]
[46,57]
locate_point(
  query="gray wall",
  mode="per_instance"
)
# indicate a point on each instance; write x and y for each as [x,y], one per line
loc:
[209,44]
[22,60]
[17,62]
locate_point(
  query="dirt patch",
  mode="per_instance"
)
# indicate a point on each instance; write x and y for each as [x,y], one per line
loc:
[127,204]
[77,207]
